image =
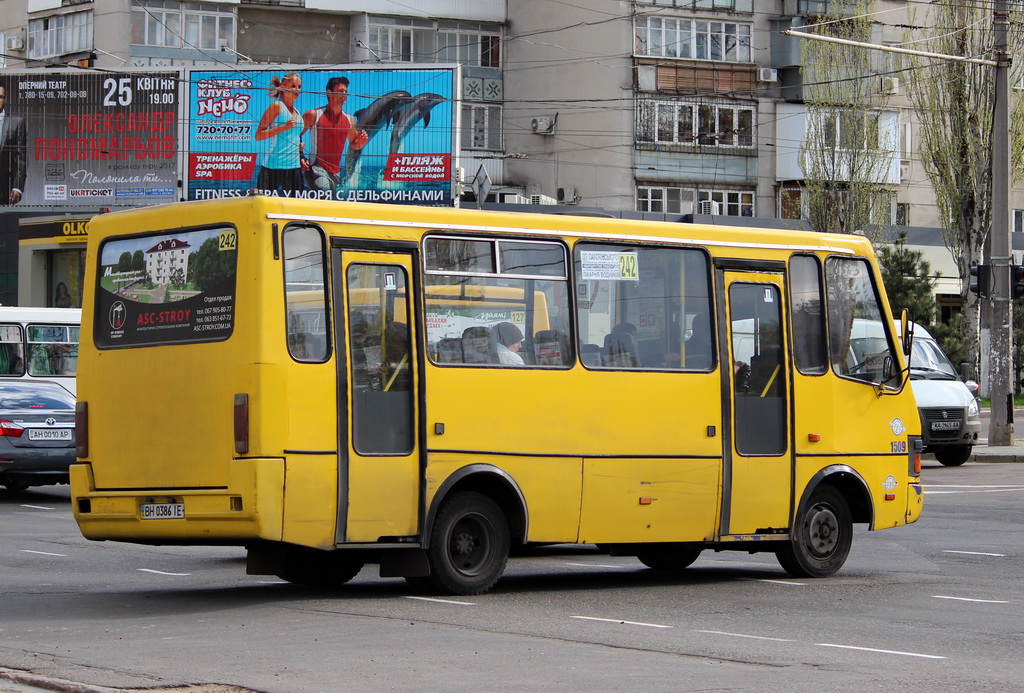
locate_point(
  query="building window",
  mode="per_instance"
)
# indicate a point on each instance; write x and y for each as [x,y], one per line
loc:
[398,39]
[693,39]
[903,213]
[59,35]
[1018,220]
[481,127]
[730,203]
[698,4]
[707,124]
[849,130]
[672,200]
[188,25]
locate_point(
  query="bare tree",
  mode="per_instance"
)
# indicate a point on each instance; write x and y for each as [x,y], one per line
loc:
[849,151]
[954,103]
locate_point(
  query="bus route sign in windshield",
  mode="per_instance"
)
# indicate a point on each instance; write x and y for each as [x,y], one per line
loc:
[167,288]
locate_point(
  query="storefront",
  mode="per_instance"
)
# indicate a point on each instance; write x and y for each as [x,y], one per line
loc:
[51,260]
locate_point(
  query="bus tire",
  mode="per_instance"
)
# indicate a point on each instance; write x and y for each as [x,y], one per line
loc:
[315,568]
[954,455]
[668,557]
[821,537]
[469,544]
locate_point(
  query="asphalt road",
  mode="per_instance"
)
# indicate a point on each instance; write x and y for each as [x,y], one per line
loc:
[935,606]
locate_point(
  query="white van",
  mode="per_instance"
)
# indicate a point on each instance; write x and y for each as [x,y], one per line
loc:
[950,415]
[40,343]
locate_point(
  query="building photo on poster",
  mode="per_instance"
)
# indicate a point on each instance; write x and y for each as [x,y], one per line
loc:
[87,139]
[166,288]
[344,133]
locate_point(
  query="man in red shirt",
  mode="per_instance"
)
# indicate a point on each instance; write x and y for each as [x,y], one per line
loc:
[330,128]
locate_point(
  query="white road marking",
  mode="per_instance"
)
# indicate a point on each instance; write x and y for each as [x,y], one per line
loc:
[621,622]
[873,649]
[946,489]
[36,507]
[594,565]
[44,553]
[966,599]
[975,553]
[160,572]
[742,635]
[443,601]
[775,582]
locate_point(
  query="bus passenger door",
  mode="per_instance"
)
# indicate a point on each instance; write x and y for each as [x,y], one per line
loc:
[758,469]
[379,466]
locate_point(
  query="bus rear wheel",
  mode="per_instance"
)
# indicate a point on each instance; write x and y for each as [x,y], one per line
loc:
[667,557]
[469,544]
[821,537]
[320,568]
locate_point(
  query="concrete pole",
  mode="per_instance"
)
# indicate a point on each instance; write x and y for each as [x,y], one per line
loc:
[1000,430]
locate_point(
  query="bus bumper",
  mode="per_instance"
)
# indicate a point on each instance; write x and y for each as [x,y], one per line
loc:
[221,516]
[915,500]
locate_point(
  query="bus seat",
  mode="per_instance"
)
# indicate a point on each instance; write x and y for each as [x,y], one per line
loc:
[550,348]
[620,350]
[590,355]
[449,350]
[479,345]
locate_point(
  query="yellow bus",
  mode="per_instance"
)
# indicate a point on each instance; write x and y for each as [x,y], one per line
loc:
[335,384]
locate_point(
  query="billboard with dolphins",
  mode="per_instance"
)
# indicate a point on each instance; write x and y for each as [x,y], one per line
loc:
[371,134]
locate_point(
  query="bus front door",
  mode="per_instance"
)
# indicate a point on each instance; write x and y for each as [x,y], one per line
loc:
[379,468]
[758,471]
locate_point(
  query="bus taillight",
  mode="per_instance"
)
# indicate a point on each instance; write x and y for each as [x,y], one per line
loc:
[241,423]
[82,429]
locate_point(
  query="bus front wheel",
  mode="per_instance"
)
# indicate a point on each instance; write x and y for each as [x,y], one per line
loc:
[821,537]
[469,544]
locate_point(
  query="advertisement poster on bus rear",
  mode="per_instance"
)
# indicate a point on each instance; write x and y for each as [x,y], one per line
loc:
[81,139]
[167,288]
[347,133]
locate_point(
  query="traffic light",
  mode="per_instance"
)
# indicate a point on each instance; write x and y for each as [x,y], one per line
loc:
[1016,281]
[982,280]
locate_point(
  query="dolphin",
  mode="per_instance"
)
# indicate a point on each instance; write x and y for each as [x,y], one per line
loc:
[410,113]
[372,120]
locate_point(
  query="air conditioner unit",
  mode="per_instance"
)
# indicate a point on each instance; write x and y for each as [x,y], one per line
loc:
[709,207]
[542,200]
[543,125]
[15,43]
[888,85]
[567,196]
[767,74]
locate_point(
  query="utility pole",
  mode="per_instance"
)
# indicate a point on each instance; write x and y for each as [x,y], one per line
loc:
[1000,430]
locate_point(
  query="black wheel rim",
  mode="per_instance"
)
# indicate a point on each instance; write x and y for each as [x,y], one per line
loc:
[471,544]
[822,530]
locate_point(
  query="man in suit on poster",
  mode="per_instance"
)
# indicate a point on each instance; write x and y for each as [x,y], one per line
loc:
[13,152]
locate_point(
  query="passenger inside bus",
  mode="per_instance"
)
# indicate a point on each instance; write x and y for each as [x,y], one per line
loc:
[510,341]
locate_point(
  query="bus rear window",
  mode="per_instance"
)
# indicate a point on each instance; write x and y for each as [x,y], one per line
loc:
[167,288]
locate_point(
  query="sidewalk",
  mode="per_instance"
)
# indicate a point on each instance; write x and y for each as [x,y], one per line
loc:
[998,453]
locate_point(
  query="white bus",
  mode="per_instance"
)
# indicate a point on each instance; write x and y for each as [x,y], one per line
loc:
[40,343]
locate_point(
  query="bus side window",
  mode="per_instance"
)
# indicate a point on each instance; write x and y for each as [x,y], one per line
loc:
[305,293]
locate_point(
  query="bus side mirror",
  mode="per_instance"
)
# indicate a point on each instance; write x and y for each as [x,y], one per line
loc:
[906,331]
[888,369]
